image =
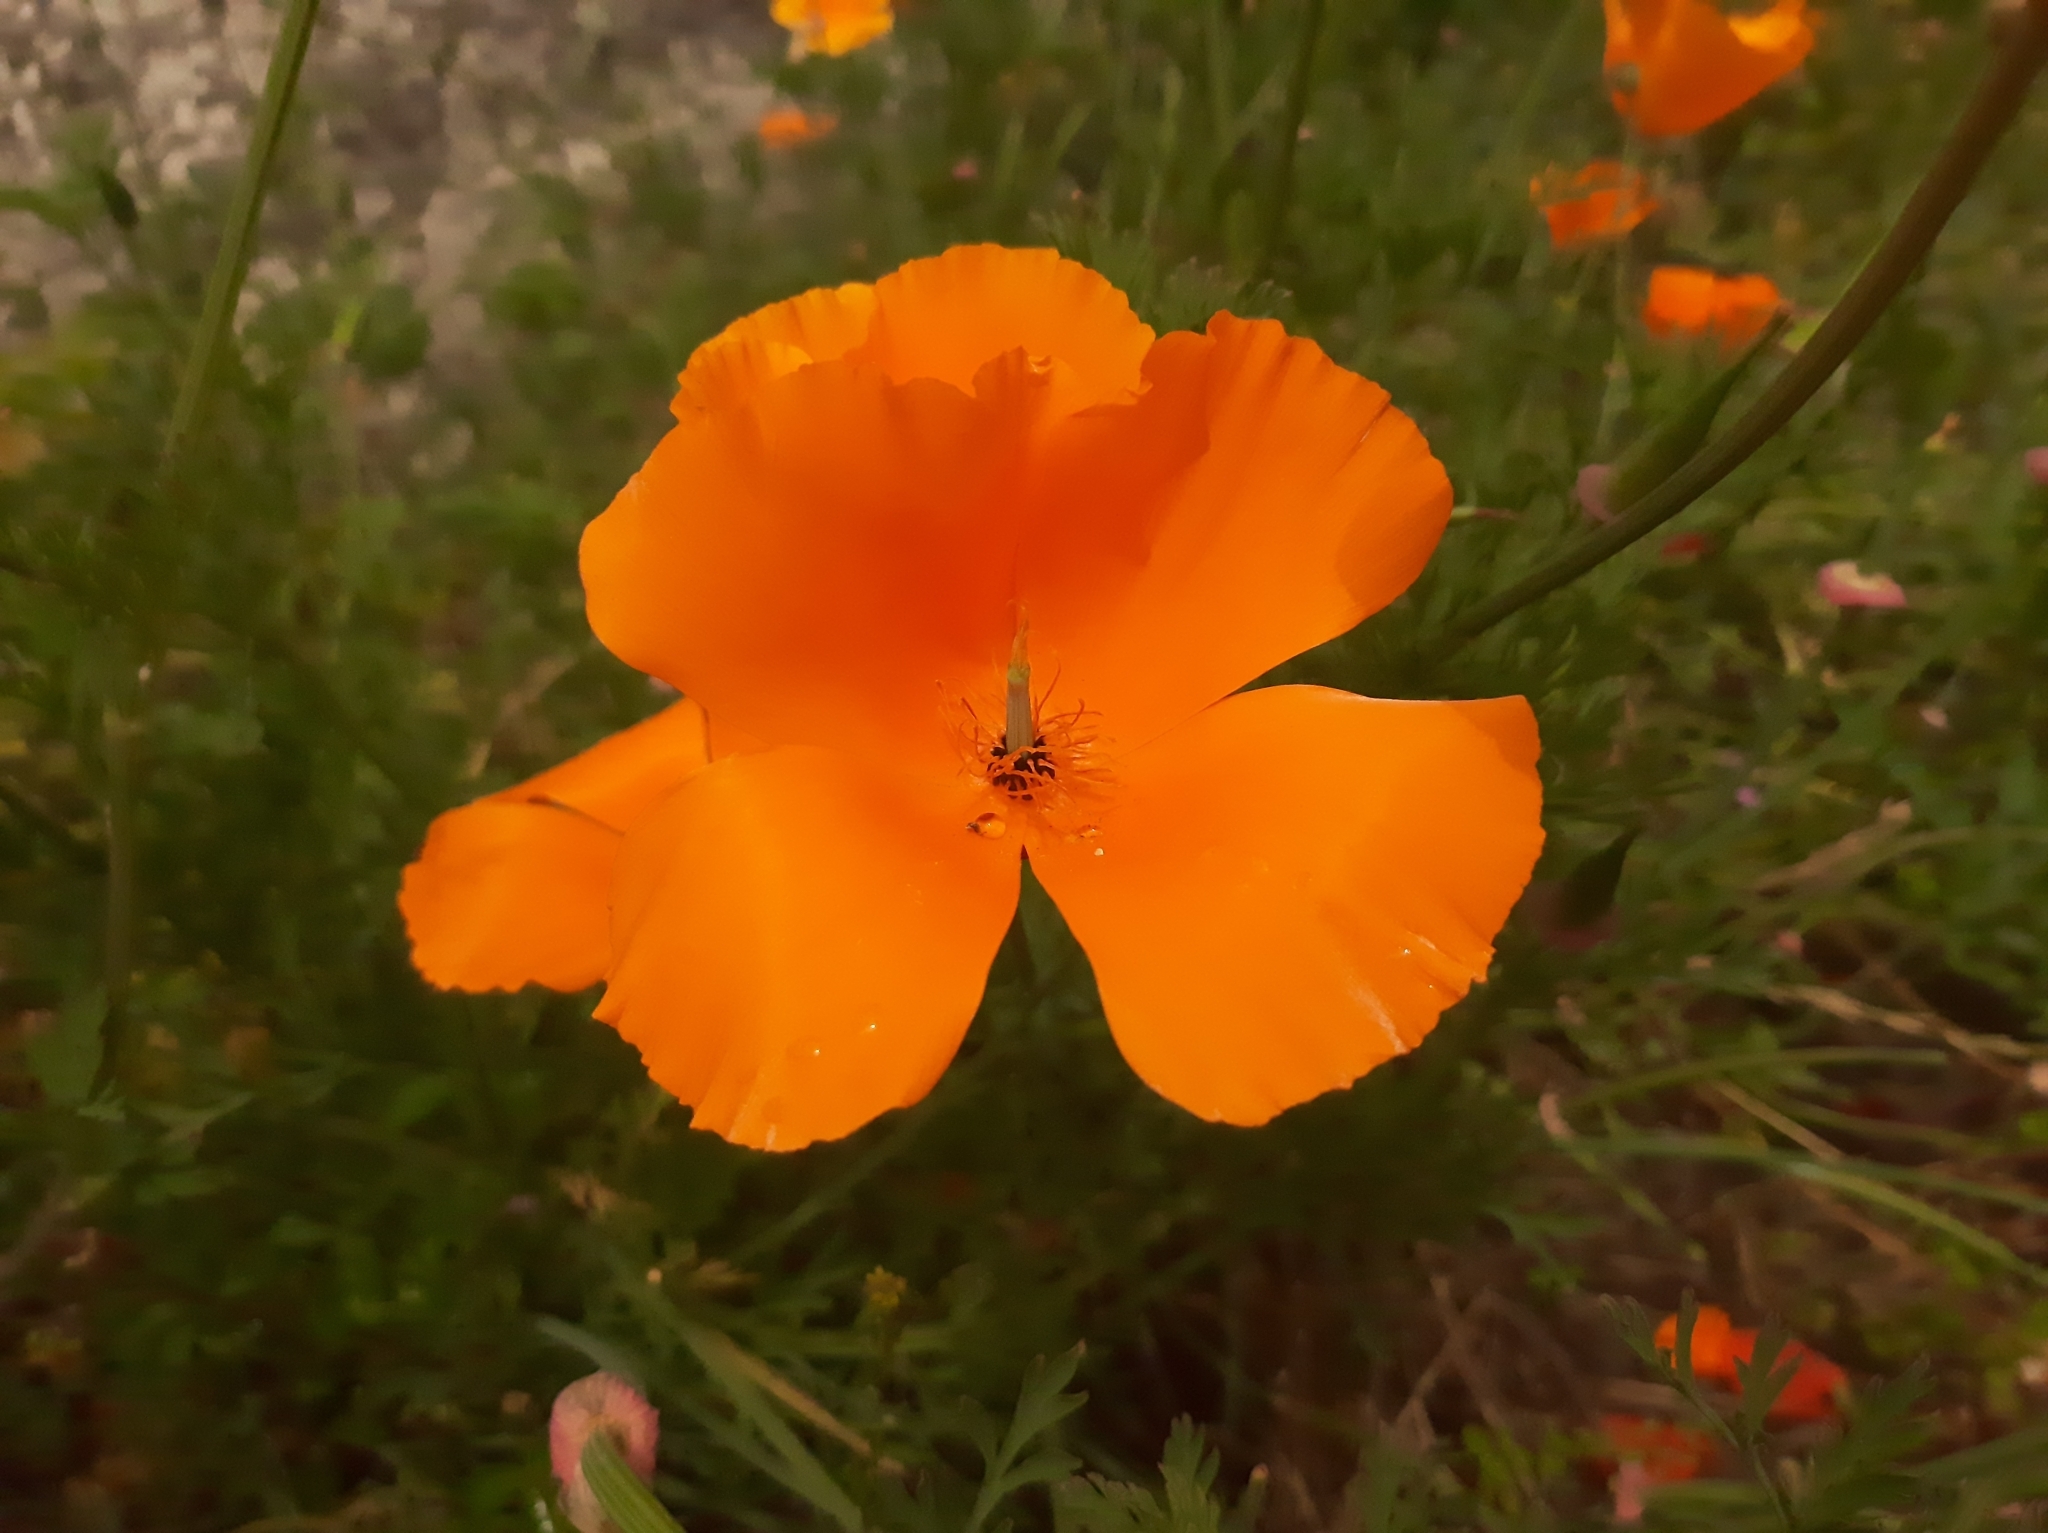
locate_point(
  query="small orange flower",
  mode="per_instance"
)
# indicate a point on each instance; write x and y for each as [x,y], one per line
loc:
[1690,300]
[788,126]
[1603,201]
[832,26]
[1812,1394]
[981,562]
[1677,65]
[1668,1451]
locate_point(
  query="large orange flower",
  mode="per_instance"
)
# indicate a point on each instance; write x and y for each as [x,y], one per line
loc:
[980,563]
[832,26]
[1677,65]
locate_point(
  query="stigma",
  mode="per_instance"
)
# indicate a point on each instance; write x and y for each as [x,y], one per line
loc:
[1042,764]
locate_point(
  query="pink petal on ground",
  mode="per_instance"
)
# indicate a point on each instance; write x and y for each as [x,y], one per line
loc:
[1842,584]
[1591,491]
[2037,464]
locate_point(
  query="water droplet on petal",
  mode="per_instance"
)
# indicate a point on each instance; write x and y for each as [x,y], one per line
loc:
[1098,851]
[993,826]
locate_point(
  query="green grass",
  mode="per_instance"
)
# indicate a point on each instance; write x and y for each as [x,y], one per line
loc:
[288,1239]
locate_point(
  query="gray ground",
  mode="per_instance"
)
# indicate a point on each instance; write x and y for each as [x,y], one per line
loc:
[428,108]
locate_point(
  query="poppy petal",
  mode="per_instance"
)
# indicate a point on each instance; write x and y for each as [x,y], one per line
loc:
[823,565]
[1256,501]
[802,941]
[949,316]
[515,889]
[818,326]
[1289,888]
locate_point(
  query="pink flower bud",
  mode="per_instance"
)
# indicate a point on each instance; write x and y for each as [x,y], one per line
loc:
[603,1402]
[2037,464]
[1842,584]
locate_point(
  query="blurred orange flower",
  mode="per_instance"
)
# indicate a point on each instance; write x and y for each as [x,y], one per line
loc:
[1812,1394]
[832,26]
[788,126]
[1674,66]
[1602,201]
[1690,300]
[1668,1451]
[515,888]
[981,561]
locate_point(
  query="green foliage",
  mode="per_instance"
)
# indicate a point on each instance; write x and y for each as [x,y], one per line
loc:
[1186,1502]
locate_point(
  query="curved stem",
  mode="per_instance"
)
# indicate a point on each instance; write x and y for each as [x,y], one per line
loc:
[1990,112]
[238,239]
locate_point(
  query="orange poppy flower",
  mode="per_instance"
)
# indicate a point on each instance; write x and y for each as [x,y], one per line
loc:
[1677,65]
[1690,300]
[832,26]
[1813,1393]
[981,562]
[787,126]
[515,889]
[1603,201]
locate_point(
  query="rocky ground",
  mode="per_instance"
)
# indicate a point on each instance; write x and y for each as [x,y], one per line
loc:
[424,110]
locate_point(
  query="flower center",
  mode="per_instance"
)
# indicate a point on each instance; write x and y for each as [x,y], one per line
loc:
[1042,764]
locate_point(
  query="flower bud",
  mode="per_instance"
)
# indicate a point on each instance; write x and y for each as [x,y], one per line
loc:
[606,1403]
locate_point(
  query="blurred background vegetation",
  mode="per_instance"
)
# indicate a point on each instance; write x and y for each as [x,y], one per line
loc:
[288,1240]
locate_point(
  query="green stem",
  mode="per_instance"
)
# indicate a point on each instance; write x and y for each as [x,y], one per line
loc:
[1507,148]
[1290,133]
[628,1505]
[1222,90]
[1985,119]
[238,239]
[118,735]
